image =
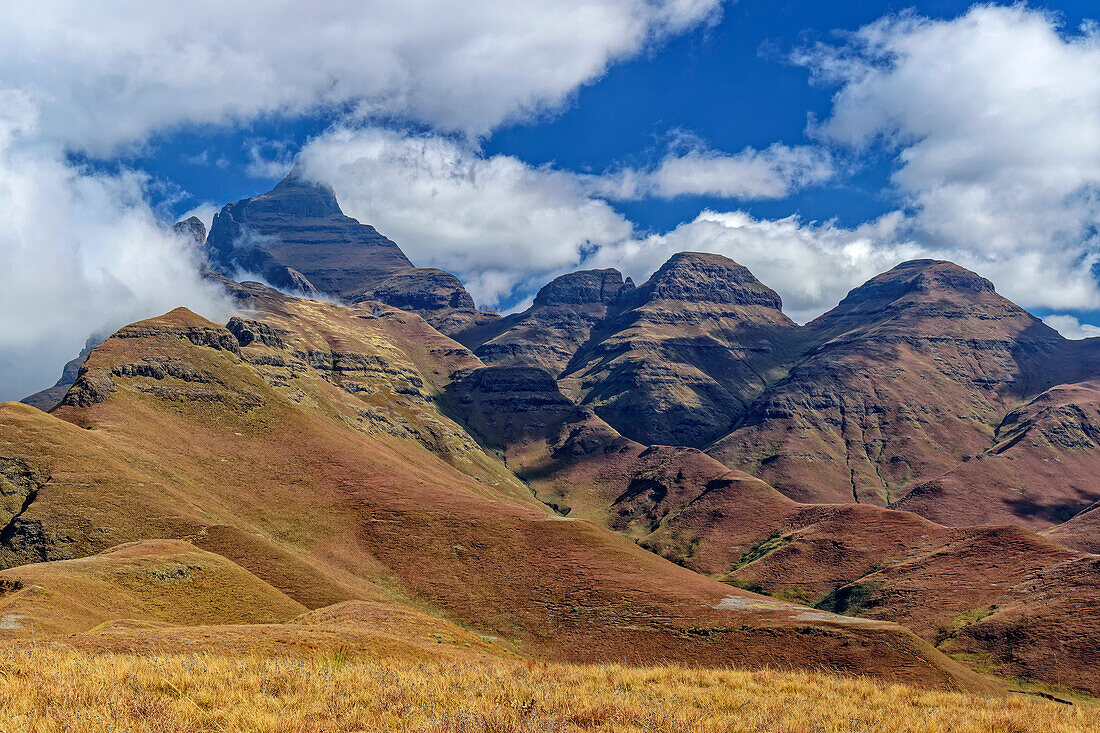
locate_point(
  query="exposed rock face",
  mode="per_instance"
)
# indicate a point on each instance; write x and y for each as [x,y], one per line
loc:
[192,229]
[683,355]
[49,398]
[902,381]
[505,405]
[558,323]
[297,238]
[299,225]
[585,287]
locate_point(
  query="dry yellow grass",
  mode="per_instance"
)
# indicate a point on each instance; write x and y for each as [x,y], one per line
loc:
[49,689]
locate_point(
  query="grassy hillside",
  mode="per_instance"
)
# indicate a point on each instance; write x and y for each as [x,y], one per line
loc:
[63,689]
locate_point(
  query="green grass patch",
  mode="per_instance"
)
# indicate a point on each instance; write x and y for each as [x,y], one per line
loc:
[849,598]
[774,542]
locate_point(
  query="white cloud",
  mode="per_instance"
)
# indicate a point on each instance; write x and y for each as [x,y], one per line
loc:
[82,252]
[109,73]
[497,222]
[268,159]
[1071,327]
[995,120]
[812,266]
[772,173]
[204,212]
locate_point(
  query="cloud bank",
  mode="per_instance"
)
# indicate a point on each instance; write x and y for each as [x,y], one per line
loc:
[82,253]
[994,118]
[110,73]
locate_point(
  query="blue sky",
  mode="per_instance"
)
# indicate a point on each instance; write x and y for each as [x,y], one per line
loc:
[731,83]
[817,143]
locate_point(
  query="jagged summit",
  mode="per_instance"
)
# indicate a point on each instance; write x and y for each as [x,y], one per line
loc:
[707,278]
[300,197]
[299,225]
[583,287]
[191,228]
[296,237]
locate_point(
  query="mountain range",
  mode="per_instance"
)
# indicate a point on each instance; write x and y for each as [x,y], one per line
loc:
[905,487]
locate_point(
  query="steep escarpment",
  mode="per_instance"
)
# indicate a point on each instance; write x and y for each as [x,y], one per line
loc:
[685,354]
[905,379]
[558,323]
[296,237]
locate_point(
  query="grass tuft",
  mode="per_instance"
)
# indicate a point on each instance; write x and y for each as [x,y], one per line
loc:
[55,689]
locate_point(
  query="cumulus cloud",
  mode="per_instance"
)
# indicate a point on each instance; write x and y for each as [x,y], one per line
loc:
[109,73]
[499,223]
[772,173]
[995,120]
[1071,327]
[83,253]
[811,265]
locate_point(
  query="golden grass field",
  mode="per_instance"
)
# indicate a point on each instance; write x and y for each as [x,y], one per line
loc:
[58,689]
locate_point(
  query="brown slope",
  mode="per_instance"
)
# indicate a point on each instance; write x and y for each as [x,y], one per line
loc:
[557,324]
[1082,532]
[685,506]
[151,582]
[909,376]
[296,237]
[685,354]
[1002,597]
[1041,470]
[174,431]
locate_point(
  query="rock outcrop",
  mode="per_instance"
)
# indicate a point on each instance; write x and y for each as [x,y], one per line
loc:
[684,354]
[296,238]
[558,323]
[49,398]
[192,230]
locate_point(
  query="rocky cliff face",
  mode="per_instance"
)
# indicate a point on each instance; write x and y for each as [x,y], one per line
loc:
[192,229]
[558,323]
[297,238]
[47,399]
[684,354]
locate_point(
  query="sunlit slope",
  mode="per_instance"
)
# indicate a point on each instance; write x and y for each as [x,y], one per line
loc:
[176,430]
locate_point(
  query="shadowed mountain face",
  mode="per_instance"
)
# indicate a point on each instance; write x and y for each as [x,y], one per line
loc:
[677,360]
[557,324]
[296,237]
[907,379]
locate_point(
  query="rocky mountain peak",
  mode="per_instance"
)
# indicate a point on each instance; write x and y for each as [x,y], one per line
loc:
[708,278]
[191,228]
[298,197]
[920,277]
[584,287]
